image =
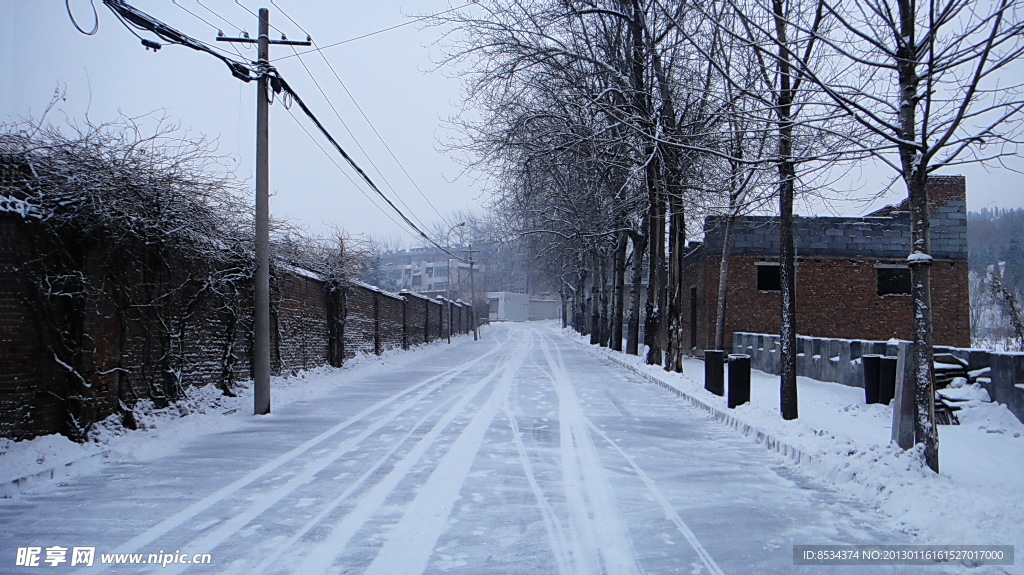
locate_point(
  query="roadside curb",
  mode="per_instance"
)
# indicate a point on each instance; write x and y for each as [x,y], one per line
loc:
[760,436]
[10,488]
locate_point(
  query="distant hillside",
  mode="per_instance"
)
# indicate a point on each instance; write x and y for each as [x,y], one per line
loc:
[995,236]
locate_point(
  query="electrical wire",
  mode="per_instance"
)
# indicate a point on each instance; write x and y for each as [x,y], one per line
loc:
[131,17]
[279,83]
[95,18]
[211,25]
[355,184]
[231,25]
[381,31]
[246,8]
[361,112]
[354,139]
[134,18]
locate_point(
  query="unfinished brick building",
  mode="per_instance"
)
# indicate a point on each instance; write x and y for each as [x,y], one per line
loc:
[852,277]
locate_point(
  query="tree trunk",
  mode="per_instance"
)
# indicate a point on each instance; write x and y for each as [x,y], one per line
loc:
[674,288]
[723,278]
[637,273]
[619,276]
[595,301]
[920,260]
[656,237]
[787,249]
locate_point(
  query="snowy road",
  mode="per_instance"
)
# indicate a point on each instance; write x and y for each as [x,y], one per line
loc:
[520,453]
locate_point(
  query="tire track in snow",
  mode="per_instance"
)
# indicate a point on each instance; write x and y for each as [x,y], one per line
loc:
[666,506]
[596,527]
[425,387]
[409,545]
[322,557]
[556,535]
[333,504]
[659,496]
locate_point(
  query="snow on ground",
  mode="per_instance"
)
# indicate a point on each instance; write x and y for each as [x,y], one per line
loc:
[164,431]
[977,499]
[516,454]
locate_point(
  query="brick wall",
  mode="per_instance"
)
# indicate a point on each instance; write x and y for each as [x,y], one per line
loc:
[122,356]
[837,298]
[300,322]
[435,321]
[25,403]
[416,318]
[392,321]
[837,278]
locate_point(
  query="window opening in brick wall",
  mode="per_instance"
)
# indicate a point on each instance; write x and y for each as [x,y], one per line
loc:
[769,278]
[893,280]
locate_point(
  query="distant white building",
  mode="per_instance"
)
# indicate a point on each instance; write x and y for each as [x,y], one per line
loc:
[508,306]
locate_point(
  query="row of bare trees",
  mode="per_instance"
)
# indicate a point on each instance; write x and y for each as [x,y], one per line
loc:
[609,126]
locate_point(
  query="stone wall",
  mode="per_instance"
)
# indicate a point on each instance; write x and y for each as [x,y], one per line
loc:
[839,361]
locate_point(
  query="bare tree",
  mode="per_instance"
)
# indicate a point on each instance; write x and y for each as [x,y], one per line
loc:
[929,83]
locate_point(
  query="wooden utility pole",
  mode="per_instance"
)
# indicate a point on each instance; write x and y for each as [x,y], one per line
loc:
[472,294]
[261,315]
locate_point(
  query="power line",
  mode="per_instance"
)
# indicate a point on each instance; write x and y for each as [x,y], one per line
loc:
[279,84]
[208,23]
[348,177]
[230,24]
[354,139]
[246,8]
[95,18]
[361,112]
[388,29]
[132,17]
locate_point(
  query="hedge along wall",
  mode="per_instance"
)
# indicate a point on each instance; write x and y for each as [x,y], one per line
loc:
[120,359]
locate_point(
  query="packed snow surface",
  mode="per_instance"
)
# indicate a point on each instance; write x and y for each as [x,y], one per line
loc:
[524,452]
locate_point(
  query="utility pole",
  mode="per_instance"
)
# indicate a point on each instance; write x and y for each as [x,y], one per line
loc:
[472,293]
[448,281]
[261,317]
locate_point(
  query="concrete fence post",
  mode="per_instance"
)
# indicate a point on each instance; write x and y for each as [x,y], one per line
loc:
[872,365]
[903,408]
[714,371]
[886,379]
[739,379]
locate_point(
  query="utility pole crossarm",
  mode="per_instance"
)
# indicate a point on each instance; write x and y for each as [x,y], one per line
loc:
[282,41]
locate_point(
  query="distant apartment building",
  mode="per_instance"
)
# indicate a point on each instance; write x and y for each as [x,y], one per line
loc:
[426,271]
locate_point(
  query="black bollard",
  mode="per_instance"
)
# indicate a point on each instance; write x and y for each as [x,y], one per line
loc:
[739,379]
[886,380]
[872,364]
[714,371]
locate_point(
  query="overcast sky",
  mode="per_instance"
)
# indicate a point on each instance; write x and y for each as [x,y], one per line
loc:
[388,74]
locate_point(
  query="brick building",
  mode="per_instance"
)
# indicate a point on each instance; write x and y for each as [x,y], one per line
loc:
[852,277]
